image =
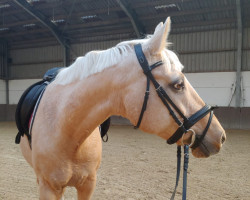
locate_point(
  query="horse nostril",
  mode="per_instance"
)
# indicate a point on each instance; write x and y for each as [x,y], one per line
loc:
[223,138]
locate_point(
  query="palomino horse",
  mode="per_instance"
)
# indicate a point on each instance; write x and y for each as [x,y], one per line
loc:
[66,143]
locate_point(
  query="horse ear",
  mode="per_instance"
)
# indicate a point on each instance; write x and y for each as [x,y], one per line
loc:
[158,27]
[159,39]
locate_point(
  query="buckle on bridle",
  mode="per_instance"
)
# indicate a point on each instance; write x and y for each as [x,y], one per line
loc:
[193,137]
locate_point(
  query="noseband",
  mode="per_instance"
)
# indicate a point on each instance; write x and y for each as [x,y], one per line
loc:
[187,123]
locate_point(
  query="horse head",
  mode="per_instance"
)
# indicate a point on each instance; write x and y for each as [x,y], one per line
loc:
[157,118]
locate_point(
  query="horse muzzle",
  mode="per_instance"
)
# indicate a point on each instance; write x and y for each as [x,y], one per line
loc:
[210,145]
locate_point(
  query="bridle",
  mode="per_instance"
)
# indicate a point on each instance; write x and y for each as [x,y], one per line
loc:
[185,125]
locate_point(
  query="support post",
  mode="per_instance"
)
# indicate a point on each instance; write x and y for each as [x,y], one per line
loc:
[7,91]
[7,72]
[66,55]
[4,67]
[239,54]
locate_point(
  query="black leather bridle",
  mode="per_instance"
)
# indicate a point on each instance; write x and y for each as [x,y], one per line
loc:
[184,126]
[187,123]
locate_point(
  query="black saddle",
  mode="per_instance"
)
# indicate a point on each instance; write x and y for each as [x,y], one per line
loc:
[28,100]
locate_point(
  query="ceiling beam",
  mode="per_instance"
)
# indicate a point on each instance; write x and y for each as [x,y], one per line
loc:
[158,2]
[77,41]
[83,33]
[21,33]
[53,29]
[172,14]
[50,4]
[177,28]
[88,35]
[192,12]
[98,27]
[91,29]
[86,12]
[137,25]
[205,23]
[44,20]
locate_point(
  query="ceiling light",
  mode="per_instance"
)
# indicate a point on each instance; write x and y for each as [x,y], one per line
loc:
[32,1]
[166,6]
[57,21]
[28,25]
[4,6]
[4,29]
[89,17]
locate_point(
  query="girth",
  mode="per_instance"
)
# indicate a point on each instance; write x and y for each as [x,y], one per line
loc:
[186,123]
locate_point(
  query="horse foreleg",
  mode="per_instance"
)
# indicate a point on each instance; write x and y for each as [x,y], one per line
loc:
[85,191]
[48,193]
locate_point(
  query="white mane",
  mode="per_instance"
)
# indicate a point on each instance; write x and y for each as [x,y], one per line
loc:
[96,61]
[91,63]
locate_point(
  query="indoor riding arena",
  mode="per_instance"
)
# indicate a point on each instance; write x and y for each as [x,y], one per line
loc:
[211,39]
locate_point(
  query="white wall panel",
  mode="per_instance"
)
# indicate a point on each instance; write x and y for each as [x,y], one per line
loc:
[2,92]
[17,87]
[217,88]
[246,88]
[214,88]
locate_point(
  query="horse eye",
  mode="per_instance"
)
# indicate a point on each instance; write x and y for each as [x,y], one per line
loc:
[179,86]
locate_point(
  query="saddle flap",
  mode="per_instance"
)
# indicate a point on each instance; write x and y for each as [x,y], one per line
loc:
[26,105]
[29,98]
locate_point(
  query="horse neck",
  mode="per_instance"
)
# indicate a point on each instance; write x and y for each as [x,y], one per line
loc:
[97,97]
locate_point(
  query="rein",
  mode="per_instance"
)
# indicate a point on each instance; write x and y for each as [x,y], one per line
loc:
[185,168]
[184,125]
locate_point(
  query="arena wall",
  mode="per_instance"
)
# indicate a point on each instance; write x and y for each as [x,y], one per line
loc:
[205,51]
[214,88]
[209,57]
[2,92]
